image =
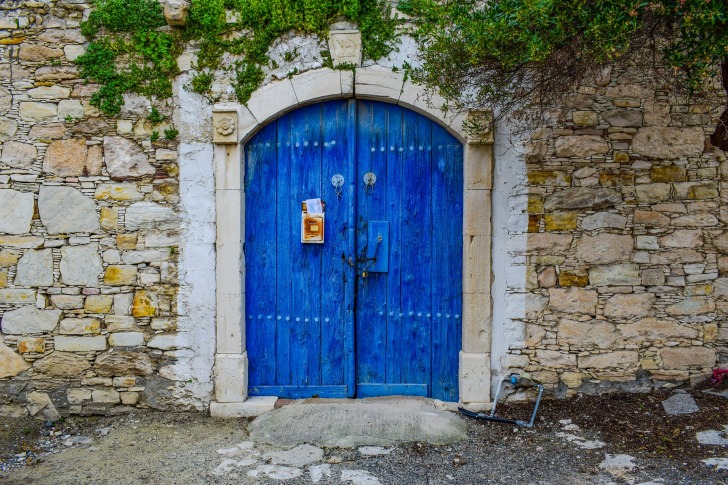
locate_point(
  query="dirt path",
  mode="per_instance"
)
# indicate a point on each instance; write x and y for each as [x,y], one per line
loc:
[611,439]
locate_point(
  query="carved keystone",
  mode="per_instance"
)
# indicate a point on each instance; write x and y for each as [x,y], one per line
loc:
[225,123]
[478,127]
[345,47]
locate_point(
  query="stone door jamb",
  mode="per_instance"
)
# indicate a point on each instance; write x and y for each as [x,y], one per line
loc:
[234,124]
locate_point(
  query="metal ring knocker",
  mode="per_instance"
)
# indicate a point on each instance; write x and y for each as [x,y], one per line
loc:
[369,180]
[338,182]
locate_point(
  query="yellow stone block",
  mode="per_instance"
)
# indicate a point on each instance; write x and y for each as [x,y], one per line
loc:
[120,275]
[8,258]
[110,219]
[535,204]
[572,379]
[126,241]
[99,303]
[3,279]
[710,332]
[560,221]
[648,364]
[568,278]
[28,345]
[145,305]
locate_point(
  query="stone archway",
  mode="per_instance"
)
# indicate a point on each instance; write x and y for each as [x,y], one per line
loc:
[234,124]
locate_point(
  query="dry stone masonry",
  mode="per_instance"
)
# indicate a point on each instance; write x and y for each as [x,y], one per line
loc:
[626,259]
[88,209]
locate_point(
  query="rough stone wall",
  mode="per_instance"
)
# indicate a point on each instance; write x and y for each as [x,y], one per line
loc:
[626,259]
[89,230]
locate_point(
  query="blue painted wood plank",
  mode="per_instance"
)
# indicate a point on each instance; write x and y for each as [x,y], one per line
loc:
[397,315]
[447,275]
[337,277]
[373,390]
[299,392]
[350,272]
[416,230]
[305,258]
[260,253]
[371,204]
[287,236]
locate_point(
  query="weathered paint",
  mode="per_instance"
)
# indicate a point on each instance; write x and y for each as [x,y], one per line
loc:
[310,308]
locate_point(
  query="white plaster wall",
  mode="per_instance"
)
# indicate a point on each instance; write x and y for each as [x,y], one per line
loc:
[196,270]
[510,223]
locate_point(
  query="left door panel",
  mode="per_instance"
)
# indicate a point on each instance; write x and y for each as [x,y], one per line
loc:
[299,297]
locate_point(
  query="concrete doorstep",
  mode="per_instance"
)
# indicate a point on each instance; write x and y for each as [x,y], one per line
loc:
[354,423]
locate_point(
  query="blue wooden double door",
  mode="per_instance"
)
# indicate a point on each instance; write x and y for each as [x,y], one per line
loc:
[376,308]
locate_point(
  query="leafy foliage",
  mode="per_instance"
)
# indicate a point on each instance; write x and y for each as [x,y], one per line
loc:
[511,53]
[128,53]
[132,50]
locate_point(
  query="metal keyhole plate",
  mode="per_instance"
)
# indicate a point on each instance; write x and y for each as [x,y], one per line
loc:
[370,178]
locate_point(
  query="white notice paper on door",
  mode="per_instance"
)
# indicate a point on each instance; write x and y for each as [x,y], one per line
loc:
[313,206]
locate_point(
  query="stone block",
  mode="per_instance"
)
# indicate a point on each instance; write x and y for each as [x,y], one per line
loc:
[67,343]
[695,305]
[474,377]
[54,203]
[11,364]
[345,47]
[615,275]
[629,305]
[582,198]
[70,109]
[547,243]
[649,218]
[681,358]
[70,158]
[231,377]
[8,129]
[683,238]
[573,278]
[676,256]
[560,221]
[16,211]
[50,131]
[67,302]
[593,333]
[62,365]
[80,326]
[81,265]
[18,155]
[585,118]
[655,329]
[166,341]
[604,248]
[696,220]
[580,146]
[78,396]
[573,300]
[476,264]
[99,303]
[29,319]
[647,243]
[558,178]
[376,82]
[476,214]
[144,305]
[129,398]
[17,296]
[123,363]
[149,215]
[623,117]
[535,305]
[668,173]
[620,359]
[669,143]
[35,268]
[554,358]
[479,167]
[126,339]
[548,277]
[602,220]
[251,407]
[271,100]
[28,345]
[125,159]
[38,53]
[176,12]
[34,111]
[317,85]
[105,396]
[652,193]
[477,322]
[109,219]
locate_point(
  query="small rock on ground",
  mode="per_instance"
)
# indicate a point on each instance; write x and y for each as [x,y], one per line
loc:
[713,437]
[276,472]
[359,477]
[374,450]
[680,404]
[618,465]
[718,463]
[301,455]
[319,472]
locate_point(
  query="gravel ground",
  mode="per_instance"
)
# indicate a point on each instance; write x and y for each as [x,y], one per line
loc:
[571,444]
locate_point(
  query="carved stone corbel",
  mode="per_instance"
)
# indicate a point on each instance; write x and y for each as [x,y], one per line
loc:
[225,127]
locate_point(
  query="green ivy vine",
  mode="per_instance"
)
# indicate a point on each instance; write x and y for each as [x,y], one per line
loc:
[133,50]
